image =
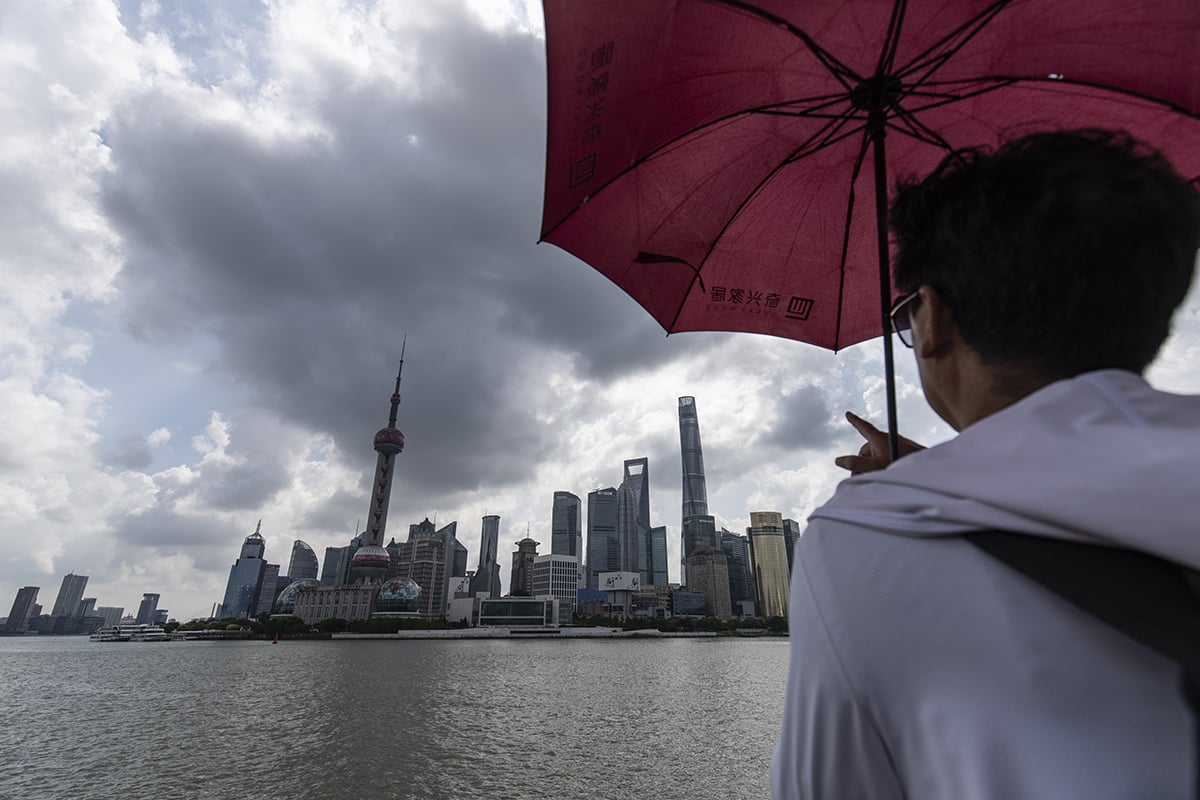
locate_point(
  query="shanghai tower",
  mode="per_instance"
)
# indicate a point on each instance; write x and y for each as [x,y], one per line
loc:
[698,527]
[370,562]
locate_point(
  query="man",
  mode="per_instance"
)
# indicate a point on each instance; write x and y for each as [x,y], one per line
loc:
[1039,281]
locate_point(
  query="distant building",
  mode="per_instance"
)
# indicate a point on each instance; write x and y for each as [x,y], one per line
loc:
[566,530]
[620,588]
[557,576]
[110,616]
[521,581]
[395,552]
[791,534]
[708,574]
[329,566]
[22,609]
[697,527]
[303,564]
[147,609]
[245,579]
[69,594]
[633,512]
[487,575]
[316,603]
[517,612]
[267,589]
[741,585]
[87,607]
[688,604]
[432,558]
[652,556]
[603,547]
[768,557]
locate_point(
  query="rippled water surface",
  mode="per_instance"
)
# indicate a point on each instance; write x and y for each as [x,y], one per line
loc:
[495,719]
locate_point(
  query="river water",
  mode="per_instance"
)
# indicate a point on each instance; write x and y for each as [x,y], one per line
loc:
[419,720]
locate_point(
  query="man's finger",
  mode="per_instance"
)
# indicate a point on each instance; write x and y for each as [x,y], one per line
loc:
[868,431]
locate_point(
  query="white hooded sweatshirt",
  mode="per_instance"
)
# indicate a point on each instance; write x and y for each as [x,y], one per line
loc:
[923,668]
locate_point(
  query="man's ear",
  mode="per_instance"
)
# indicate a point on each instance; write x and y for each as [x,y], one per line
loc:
[936,330]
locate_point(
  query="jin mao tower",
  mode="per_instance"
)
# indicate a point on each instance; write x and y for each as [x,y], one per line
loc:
[370,562]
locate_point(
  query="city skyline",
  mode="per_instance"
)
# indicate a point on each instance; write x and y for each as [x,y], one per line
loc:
[230,217]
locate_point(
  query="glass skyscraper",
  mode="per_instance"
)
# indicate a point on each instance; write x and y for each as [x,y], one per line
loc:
[245,579]
[566,529]
[697,527]
[633,512]
[487,574]
[69,595]
[304,562]
[768,556]
[741,585]
[603,548]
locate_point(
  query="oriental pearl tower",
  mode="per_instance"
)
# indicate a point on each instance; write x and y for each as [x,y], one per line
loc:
[370,562]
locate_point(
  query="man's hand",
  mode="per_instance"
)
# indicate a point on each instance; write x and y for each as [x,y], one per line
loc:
[875,453]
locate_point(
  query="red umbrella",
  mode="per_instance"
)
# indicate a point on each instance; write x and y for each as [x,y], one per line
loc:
[724,162]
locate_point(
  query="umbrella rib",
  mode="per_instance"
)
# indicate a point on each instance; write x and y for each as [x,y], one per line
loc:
[977,23]
[1002,81]
[836,68]
[916,129]
[828,136]
[891,42]
[858,162]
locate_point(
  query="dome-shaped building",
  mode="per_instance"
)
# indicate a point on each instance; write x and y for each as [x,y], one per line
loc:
[370,562]
[286,602]
[398,596]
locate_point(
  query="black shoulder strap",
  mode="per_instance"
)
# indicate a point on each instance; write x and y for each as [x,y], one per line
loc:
[1154,601]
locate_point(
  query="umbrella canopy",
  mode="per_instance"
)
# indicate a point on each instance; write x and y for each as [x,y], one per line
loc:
[724,162]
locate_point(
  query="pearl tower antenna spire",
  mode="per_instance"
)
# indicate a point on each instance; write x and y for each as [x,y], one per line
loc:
[370,562]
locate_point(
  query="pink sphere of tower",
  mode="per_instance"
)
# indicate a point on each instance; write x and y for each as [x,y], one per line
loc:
[370,561]
[389,441]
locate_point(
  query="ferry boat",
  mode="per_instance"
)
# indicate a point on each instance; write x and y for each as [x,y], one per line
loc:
[131,633]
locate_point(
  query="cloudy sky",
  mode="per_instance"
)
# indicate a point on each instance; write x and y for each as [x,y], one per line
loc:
[220,219]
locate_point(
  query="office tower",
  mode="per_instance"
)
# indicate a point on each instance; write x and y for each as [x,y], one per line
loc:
[329,566]
[487,574]
[708,574]
[741,586]
[245,579]
[603,548]
[633,512]
[791,533]
[304,562]
[22,609]
[69,595]
[370,561]
[148,609]
[557,575]
[432,558]
[395,554]
[697,527]
[267,589]
[87,607]
[521,581]
[769,562]
[652,557]
[111,615]
[566,530]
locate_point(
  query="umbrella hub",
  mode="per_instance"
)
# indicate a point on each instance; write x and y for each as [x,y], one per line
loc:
[876,93]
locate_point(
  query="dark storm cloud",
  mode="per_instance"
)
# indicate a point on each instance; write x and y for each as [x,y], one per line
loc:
[308,260]
[805,421]
[129,451]
[164,528]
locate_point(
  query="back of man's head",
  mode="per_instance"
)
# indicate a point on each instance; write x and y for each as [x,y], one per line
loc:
[1058,253]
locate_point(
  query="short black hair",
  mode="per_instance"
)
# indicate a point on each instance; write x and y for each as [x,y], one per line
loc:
[1060,252]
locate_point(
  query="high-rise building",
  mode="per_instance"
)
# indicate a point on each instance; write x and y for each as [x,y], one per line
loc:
[708,574]
[69,595]
[652,557]
[633,512]
[22,609]
[432,559]
[304,562]
[487,574]
[603,548]
[557,576]
[111,615]
[697,527]
[791,533]
[741,585]
[566,529]
[768,557]
[148,609]
[370,561]
[329,567]
[245,579]
[267,589]
[521,581]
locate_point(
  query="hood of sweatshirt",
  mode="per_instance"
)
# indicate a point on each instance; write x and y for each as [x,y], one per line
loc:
[1101,458]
